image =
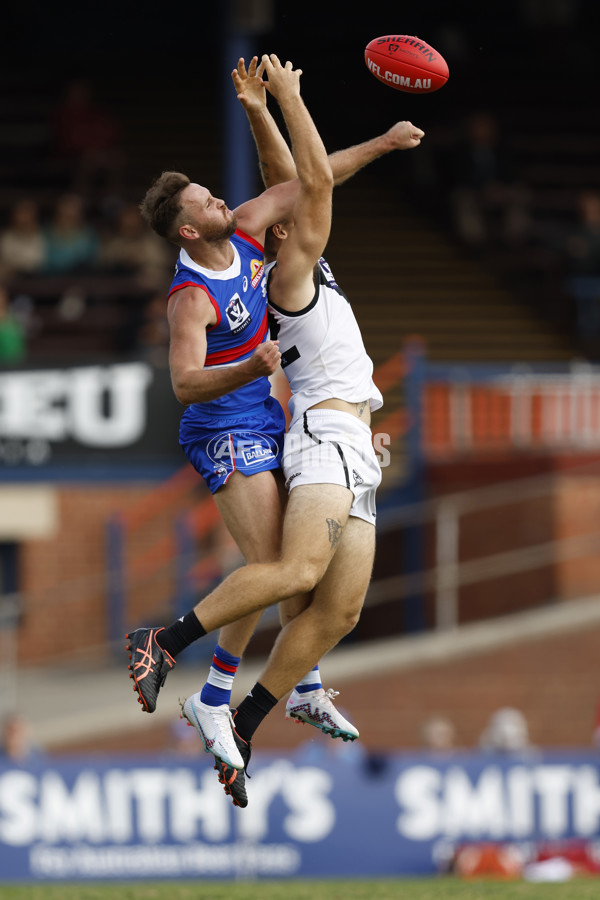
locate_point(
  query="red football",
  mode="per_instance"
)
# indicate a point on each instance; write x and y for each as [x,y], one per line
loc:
[406,63]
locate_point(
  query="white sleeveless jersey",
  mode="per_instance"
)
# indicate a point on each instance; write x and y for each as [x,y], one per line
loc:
[322,350]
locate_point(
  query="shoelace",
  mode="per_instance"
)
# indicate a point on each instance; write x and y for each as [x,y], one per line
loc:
[218,715]
[330,693]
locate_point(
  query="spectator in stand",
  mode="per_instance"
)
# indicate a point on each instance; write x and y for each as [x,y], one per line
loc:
[87,141]
[582,264]
[438,734]
[17,746]
[12,333]
[71,243]
[488,201]
[152,338]
[22,247]
[506,732]
[134,249]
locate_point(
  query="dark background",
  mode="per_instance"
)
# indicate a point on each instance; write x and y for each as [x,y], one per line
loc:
[523,55]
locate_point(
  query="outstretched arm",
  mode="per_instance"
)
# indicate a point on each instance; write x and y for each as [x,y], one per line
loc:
[401,136]
[274,155]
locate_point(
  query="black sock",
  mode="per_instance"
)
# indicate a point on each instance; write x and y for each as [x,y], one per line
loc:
[252,710]
[180,634]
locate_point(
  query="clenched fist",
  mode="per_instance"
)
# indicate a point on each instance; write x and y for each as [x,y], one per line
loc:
[265,359]
[405,136]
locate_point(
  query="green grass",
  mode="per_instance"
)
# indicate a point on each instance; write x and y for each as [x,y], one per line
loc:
[383,889]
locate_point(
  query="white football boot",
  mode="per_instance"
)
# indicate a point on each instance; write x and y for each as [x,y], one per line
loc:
[316,708]
[215,727]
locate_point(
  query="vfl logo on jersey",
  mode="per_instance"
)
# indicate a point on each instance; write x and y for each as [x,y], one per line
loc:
[237,315]
[328,273]
[257,268]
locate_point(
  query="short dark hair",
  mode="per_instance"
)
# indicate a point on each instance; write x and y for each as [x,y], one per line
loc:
[162,204]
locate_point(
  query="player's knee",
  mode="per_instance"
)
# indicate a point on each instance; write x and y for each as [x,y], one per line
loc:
[342,622]
[350,620]
[306,575]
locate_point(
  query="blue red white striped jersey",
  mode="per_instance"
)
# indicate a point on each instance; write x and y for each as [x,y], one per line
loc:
[238,295]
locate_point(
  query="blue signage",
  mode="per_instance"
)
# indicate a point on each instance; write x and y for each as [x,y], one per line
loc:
[314,814]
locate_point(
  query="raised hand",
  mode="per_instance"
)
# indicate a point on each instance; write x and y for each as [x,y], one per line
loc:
[249,84]
[284,81]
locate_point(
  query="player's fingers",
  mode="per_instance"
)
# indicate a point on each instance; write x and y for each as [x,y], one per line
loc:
[241,67]
[252,66]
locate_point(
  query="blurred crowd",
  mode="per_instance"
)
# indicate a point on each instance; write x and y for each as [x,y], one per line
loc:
[506,732]
[68,240]
[83,242]
[545,238]
[469,173]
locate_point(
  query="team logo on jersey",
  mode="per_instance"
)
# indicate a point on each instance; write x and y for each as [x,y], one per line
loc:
[257,268]
[237,315]
[328,273]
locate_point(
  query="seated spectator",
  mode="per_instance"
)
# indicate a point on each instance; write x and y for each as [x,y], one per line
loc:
[16,745]
[133,249]
[488,201]
[582,264]
[71,242]
[22,242]
[87,141]
[438,734]
[152,339]
[506,732]
[12,333]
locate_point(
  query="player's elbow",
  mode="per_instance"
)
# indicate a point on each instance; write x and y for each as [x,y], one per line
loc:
[184,391]
[182,396]
[319,180]
[324,177]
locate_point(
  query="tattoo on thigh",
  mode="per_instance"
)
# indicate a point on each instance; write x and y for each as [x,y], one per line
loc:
[335,532]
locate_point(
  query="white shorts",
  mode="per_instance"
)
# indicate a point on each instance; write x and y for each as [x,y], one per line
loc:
[327,446]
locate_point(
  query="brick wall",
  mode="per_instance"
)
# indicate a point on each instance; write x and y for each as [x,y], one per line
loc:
[554,681]
[64,577]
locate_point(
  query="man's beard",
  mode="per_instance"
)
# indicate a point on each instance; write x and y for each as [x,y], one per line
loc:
[217,233]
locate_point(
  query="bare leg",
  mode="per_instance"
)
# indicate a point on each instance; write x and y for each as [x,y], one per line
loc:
[334,611]
[251,509]
[313,526]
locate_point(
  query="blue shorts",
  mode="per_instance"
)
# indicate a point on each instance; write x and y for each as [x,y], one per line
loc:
[246,443]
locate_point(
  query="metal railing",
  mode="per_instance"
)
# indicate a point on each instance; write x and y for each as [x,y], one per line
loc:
[450,572]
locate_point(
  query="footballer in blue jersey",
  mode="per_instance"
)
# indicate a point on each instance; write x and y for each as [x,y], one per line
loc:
[241,430]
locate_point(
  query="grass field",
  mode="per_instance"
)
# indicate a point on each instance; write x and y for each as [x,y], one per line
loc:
[385,889]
